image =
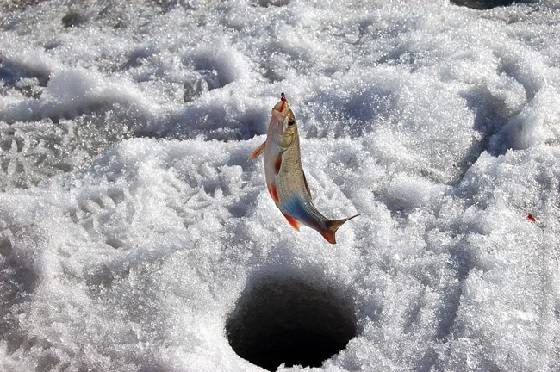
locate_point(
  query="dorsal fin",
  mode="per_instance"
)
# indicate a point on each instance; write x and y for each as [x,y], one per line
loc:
[305,183]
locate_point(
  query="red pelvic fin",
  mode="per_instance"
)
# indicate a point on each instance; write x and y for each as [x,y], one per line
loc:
[274,193]
[292,221]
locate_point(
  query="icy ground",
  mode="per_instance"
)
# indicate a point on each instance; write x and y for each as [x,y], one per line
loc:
[132,224]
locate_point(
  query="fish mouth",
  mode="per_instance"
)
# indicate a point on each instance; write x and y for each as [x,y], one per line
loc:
[284,114]
[284,107]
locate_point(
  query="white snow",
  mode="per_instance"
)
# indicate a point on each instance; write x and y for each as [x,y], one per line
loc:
[132,222]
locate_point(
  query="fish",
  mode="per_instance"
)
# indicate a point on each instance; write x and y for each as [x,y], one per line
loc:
[284,176]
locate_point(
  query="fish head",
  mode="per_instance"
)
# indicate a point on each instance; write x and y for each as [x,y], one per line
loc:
[283,127]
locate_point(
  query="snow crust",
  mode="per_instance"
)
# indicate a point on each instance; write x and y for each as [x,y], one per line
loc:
[131,220]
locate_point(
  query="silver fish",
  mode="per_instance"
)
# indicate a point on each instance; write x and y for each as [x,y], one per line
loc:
[284,174]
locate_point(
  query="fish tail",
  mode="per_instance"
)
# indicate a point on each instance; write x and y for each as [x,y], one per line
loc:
[331,228]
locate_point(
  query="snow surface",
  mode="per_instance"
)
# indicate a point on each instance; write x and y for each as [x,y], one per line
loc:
[131,220]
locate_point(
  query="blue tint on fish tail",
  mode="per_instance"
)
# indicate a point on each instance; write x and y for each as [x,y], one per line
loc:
[295,207]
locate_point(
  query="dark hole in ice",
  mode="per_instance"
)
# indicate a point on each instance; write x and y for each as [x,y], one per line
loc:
[73,19]
[289,320]
[278,3]
[486,4]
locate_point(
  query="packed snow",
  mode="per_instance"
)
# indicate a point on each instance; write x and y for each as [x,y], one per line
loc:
[136,235]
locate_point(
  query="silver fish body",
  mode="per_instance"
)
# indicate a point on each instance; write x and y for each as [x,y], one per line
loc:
[284,174]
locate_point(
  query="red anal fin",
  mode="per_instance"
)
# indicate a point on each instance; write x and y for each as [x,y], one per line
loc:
[274,193]
[292,221]
[278,163]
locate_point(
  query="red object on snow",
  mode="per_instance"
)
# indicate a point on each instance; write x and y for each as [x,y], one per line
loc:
[531,218]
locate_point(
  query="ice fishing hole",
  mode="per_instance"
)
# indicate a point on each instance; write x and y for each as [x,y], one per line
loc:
[290,320]
[486,4]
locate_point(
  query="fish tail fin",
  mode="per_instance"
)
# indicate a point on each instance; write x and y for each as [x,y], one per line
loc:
[332,227]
